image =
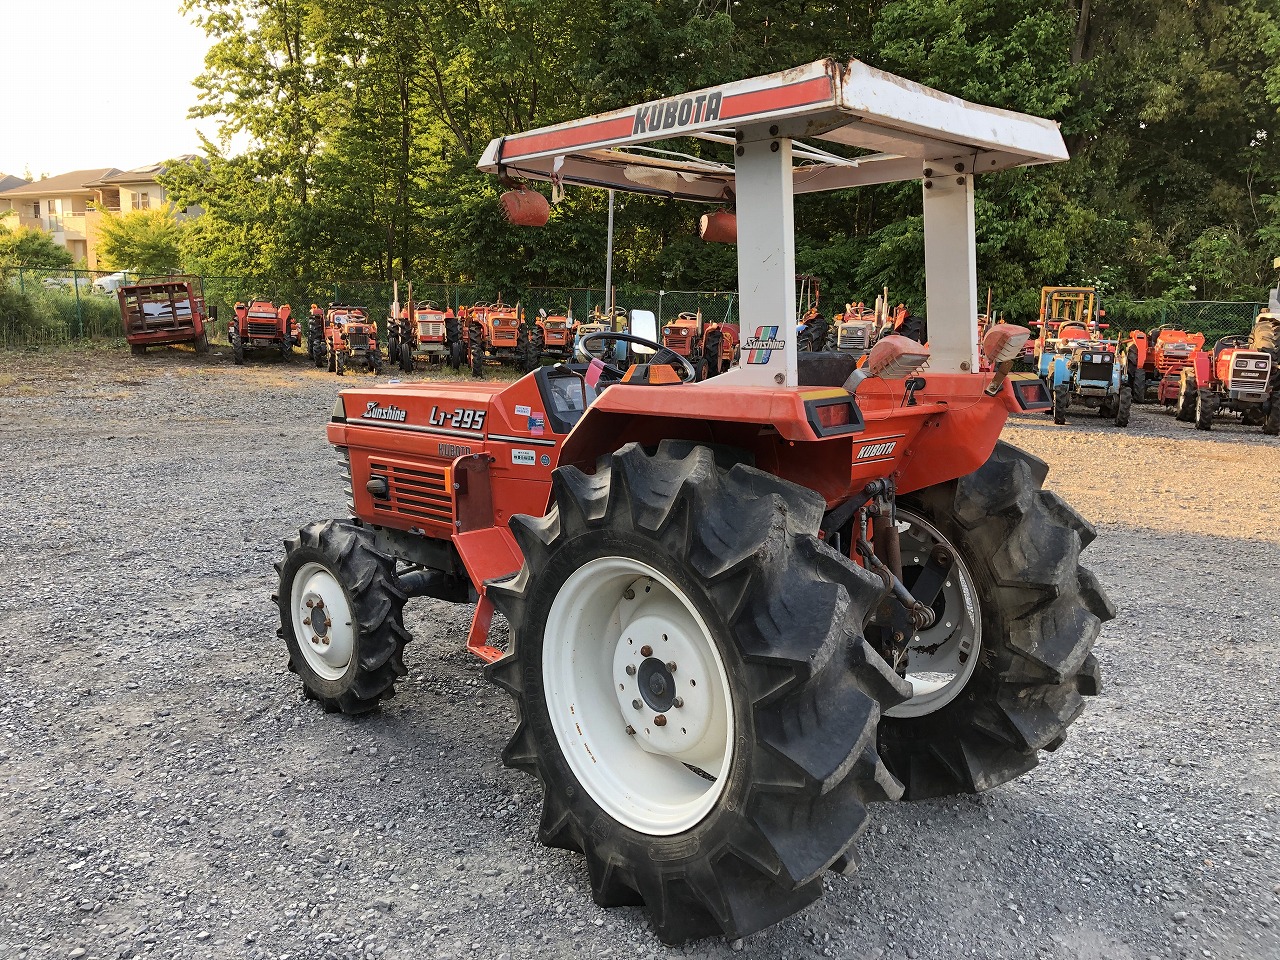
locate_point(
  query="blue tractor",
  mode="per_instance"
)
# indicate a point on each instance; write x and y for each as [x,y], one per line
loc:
[1081,368]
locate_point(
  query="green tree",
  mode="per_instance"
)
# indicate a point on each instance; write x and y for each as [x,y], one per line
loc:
[24,247]
[143,241]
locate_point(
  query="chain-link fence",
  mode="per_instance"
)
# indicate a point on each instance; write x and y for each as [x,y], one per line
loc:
[1215,319]
[46,306]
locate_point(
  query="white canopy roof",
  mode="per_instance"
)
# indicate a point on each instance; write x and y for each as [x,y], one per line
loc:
[908,129]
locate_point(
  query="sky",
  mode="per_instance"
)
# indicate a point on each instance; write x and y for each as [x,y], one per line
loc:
[86,84]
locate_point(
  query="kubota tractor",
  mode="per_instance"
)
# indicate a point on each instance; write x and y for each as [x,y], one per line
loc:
[601,320]
[551,337]
[260,325]
[1078,364]
[351,339]
[743,609]
[497,331]
[1155,359]
[425,339]
[855,330]
[710,348]
[1240,375]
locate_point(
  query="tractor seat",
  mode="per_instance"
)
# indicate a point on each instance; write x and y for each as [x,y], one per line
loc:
[1227,343]
[824,369]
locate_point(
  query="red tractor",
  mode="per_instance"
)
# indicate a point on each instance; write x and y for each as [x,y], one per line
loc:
[164,310]
[1155,359]
[743,609]
[261,325]
[351,339]
[497,331]
[1240,375]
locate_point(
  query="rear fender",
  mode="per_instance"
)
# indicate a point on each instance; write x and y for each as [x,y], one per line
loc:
[1138,340]
[1058,372]
[1201,364]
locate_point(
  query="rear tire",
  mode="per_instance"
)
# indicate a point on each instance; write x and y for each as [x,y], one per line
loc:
[352,661]
[406,358]
[237,349]
[137,349]
[1061,401]
[1038,615]
[766,625]
[476,334]
[535,349]
[457,353]
[1138,384]
[1206,408]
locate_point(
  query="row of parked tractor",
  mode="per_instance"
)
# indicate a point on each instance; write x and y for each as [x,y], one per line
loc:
[1082,365]
[1087,368]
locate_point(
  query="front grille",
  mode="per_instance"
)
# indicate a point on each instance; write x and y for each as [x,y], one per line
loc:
[852,338]
[417,492]
[1093,370]
[358,340]
[431,329]
[262,315]
[504,338]
[1249,372]
[678,341]
[262,329]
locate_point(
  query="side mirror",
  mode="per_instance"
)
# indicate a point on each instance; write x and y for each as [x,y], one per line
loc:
[643,323]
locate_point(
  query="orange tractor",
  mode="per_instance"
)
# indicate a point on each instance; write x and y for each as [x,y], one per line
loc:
[496,331]
[1239,375]
[741,610]
[551,337]
[261,325]
[351,339]
[1155,359]
[710,348]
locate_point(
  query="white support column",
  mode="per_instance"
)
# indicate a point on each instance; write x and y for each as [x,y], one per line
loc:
[951,272]
[766,260]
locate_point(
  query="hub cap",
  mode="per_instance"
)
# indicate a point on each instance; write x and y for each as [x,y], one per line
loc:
[638,696]
[322,621]
[942,658]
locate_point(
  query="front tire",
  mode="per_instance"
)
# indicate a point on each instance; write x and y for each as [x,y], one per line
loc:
[351,659]
[1206,408]
[1124,405]
[1061,401]
[1185,410]
[1271,426]
[717,570]
[1016,625]
[476,334]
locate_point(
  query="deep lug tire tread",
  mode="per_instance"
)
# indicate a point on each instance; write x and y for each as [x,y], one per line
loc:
[1206,408]
[813,689]
[1042,613]
[368,577]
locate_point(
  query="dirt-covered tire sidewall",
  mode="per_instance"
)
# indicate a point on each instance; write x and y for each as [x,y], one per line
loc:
[1206,408]
[325,688]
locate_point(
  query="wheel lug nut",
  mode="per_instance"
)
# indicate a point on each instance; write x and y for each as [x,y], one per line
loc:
[671,665]
[310,604]
[678,702]
[660,720]
[631,731]
[328,622]
[646,651]
[631,671]
[637,704]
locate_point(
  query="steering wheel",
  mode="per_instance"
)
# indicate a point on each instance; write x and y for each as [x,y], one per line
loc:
[658,351]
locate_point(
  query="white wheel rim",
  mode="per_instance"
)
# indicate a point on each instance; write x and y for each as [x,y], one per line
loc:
[322,621]
[942,658]
[605,615]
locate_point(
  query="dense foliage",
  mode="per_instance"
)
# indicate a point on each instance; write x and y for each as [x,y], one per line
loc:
[365,119]
[142,241]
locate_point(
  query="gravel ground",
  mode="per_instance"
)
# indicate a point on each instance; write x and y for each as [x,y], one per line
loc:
[165,790]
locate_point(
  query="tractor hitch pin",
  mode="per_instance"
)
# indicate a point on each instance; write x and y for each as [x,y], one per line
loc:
[922,615]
